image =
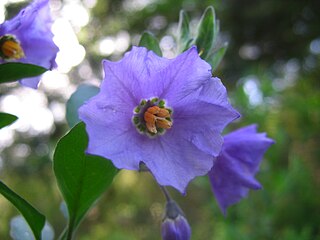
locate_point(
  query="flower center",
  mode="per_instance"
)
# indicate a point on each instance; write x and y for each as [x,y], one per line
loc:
[10,48]
[152,117]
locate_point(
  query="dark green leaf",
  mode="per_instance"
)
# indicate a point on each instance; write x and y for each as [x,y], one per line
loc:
[83,93]
[35,219]
[183,32]
[82,178]
[6,119]
[206,33]
[10,72]
[150,42]
[215,59]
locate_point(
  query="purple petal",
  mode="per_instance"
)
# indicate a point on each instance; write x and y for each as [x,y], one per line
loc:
[175,226]
[187,149]
[132,76]
[32,28]
[177,229]
[233,173]
[174,160]
[111,132]
[181,81]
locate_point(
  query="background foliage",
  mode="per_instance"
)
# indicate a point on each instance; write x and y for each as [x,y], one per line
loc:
[272,71]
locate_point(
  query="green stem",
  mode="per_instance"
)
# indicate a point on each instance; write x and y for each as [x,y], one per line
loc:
[166,193]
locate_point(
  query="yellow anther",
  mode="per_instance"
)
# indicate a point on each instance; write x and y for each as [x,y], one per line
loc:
[10,48]
[163,113]
[157,117]
[163,123]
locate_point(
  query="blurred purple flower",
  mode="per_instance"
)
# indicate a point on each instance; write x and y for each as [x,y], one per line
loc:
[175,226]
[233,173]
[27,38]
[165,113]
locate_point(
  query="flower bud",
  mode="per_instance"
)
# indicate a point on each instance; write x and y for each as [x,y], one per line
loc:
[175,226]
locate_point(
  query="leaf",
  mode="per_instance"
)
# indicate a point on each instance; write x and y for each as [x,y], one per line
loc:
[35,219]
[150,42]
[183,32]
[215,59]
[82,178]
[13,71]
[83,93]
[6,119]
[206,33]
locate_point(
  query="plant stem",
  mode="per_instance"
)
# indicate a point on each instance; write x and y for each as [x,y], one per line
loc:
[166,193]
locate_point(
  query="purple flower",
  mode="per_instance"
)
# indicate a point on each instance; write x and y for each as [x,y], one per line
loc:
[175,226]
[166,114]
[233,173]
[27,38]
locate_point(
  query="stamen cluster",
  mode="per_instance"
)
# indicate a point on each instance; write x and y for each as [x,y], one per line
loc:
[152,117]
[10,47]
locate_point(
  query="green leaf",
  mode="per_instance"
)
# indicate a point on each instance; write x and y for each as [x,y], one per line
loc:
[150,42]
[83,93]
[215,58]
[35,219]
[183,32]
[6,119]
[82,178]
[13,71]
[206,33]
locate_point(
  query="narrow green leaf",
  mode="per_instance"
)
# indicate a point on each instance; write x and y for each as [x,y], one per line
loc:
[150,42]
[6,119]
[206,32]
[35,219]
[13,71]
[215,58]
[82,178]
[83,93]
[183,32]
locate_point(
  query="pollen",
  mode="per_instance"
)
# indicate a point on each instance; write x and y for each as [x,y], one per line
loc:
[157,117]
[151,117]
[10,48]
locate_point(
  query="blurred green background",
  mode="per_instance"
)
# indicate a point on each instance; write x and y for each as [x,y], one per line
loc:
[272,72]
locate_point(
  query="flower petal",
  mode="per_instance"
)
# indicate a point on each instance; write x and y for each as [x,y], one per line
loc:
[111,132]
[174,160]
[32,28]
[177,229]
[184,151]
[182,78]
[233,173]
[132,75]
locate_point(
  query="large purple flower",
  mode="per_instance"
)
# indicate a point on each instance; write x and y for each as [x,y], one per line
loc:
[166,114]
[233,173]
[27,38]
